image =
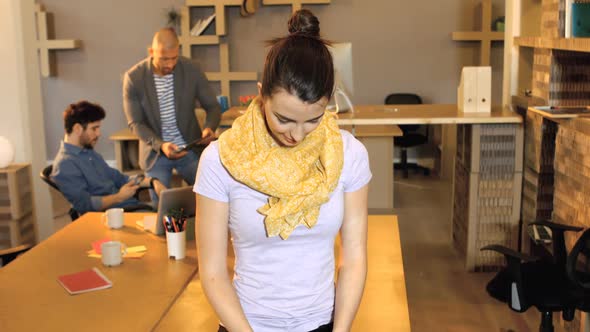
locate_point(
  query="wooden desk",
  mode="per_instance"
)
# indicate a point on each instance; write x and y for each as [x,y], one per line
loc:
[143,289]
[384,306]
[423,114]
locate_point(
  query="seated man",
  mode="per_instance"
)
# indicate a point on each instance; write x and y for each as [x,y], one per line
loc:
[82,174]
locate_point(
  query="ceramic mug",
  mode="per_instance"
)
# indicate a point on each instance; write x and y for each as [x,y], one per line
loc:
[112,253]
[113,218]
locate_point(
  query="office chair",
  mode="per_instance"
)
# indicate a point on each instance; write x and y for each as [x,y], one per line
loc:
[553,284]
[8,255]
[411,136]
[46,176]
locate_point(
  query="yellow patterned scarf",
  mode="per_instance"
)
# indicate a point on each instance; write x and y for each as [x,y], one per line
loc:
[298,179]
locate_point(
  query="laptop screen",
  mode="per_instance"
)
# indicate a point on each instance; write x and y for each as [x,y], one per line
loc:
[175,198]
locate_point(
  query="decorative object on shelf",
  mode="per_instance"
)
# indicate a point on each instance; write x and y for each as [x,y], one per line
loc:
[6,152]
[499,24]
[485,36]
[246,100]
[201,25]
[173,18]
[187,40]
[249,7]
[225,76]
[475,90]
[45,45]
[295,3]
[223,102]
[219,6]
[580,18]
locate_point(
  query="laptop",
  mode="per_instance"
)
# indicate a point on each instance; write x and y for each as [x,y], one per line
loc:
[175,198]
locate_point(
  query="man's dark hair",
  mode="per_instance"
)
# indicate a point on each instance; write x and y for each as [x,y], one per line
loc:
[82,112]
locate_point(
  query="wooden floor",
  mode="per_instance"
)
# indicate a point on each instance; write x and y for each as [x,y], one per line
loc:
[441,295]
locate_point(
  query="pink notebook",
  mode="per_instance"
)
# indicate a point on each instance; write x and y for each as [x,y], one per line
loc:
[84,281]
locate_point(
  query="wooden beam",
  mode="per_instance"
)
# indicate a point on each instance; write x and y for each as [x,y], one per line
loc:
[225,76]
[485,36]
[46,45]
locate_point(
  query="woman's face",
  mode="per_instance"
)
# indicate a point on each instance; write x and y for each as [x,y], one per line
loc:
[290,120]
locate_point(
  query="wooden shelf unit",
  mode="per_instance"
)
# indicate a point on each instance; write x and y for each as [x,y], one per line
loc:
[17,212]
[556,177]
[566,44]
[561,66]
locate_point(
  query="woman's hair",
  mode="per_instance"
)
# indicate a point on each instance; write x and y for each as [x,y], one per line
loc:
[82,112]
[300,63]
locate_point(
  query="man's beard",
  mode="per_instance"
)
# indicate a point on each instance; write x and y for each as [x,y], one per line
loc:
[87,144]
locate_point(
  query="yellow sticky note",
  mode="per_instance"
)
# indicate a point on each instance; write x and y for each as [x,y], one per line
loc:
[136,249]
[134,254]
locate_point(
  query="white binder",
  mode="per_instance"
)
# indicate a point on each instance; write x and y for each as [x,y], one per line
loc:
[475,90]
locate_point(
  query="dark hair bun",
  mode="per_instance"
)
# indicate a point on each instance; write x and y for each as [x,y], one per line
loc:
[303,22]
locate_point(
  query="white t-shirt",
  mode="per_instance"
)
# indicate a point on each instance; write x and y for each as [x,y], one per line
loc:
[283,285]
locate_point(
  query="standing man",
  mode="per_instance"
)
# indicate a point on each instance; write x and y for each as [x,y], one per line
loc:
[159,99]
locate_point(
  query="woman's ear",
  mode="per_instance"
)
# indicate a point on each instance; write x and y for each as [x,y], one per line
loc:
[259,86]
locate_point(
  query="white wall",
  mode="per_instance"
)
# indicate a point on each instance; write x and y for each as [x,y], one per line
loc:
[12,120]
[21,113]
[398,46]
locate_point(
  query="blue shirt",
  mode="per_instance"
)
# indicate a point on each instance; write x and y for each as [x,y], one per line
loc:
[84,177]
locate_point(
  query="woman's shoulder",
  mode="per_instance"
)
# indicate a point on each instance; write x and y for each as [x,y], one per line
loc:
[350,143]
[210,154]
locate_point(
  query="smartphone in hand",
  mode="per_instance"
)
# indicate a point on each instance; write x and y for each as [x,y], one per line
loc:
[190,145]
[137,179]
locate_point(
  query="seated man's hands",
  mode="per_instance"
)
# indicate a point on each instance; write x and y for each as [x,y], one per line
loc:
[170,150]
[127,191]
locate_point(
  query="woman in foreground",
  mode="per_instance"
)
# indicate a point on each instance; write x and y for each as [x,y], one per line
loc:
[285,181]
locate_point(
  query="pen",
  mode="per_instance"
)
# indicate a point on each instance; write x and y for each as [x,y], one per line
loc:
[168,225]
[164,222]
[174,225]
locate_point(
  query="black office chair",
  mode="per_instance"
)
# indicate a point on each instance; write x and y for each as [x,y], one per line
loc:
[551,284]
[46,176]
[8,255]
[411,133]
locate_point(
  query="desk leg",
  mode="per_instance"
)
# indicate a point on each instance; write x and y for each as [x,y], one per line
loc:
[487,188]
[380,151]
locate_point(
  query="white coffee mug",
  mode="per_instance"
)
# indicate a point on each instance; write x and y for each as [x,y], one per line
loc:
[112,253]
[113,218]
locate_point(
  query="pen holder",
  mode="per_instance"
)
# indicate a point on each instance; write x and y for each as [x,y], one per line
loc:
[176,242]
